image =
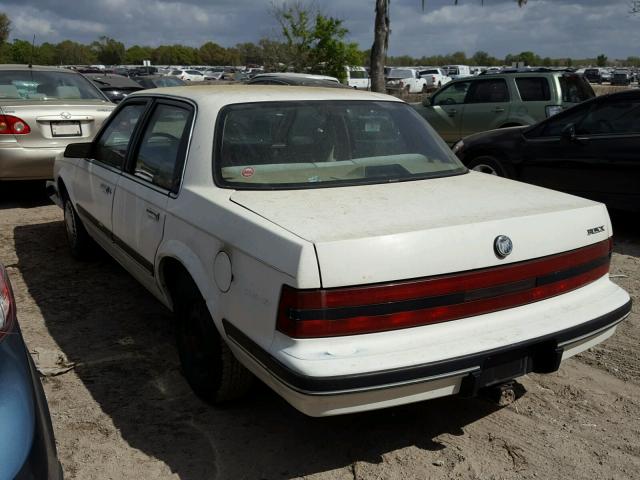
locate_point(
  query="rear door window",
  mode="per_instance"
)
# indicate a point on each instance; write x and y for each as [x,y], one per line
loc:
[161,153]
[488,91]
[534,89]
[112,146]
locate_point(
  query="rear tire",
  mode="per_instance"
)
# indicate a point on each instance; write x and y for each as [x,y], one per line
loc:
[488,164]
[81,244]
[208,364]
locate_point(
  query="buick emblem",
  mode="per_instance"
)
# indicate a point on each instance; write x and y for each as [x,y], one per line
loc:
[502,246]
[65,115]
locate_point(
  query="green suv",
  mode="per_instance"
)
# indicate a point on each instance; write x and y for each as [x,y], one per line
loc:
[486,102]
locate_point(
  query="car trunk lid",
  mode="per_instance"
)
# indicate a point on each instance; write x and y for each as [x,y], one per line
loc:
[57,124]
[390,232]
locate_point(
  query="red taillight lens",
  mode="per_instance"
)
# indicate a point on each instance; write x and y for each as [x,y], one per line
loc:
[7,304]
[10,125]
[376,308]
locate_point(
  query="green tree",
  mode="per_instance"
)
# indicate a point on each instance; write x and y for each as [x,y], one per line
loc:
[108,51]
[5,27]
[380,45]
[73,53]
[175,55]
[46,54]
[135,55]
[213,54]
[601,60]
[21,52]
[482,58]
[314,41]
[250,53]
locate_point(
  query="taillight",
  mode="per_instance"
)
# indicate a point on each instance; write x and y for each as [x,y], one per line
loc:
[10,125]
[7,304]
[382,307]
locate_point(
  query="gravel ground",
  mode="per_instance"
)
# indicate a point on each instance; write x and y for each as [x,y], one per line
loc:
[125,411]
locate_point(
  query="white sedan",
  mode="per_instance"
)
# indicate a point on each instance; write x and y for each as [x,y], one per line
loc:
[328,242]
[188,75]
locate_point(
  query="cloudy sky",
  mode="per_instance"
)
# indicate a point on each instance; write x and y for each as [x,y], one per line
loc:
[555,28]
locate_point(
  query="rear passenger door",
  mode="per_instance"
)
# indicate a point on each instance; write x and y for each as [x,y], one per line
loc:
[151,179]
[486,106]
[535,104]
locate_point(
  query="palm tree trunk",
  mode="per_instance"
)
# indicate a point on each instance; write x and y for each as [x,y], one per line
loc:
[380,45]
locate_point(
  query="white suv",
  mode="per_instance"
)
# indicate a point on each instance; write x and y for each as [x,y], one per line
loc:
[329,242]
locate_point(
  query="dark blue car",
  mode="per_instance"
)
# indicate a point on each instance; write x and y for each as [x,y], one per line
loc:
[27,444]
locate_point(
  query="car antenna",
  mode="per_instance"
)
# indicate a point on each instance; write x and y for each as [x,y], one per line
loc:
[33,47]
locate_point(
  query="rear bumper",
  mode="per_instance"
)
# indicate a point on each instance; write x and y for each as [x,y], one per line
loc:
[19,163]
[318,395]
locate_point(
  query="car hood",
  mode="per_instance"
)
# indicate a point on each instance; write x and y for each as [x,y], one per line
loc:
[376,233]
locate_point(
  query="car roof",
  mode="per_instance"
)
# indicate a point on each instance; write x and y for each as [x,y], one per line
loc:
[295,75]
[220,95]
[111,80]
[9,66]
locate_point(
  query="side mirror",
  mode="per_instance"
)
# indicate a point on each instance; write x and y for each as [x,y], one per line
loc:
[569,132]
[78,150]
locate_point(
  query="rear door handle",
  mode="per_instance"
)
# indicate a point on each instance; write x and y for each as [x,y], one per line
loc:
[106,188]
[153,215]
[498,109]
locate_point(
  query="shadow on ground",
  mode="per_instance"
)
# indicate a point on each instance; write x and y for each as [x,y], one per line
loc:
[120,337]
[25,194]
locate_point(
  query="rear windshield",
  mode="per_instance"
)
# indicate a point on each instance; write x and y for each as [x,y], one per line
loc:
[280,145]
[396,73]
[46,85]
[358,74]
[575,89]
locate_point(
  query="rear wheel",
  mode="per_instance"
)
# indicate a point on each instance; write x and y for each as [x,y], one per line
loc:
[81,244]
[424,88]
[488,164]
[211,369]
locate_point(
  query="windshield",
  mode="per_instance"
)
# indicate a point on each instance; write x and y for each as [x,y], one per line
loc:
[397,73]
[575,89]
[358,74]
[46,85]
[453,71]
[311,144]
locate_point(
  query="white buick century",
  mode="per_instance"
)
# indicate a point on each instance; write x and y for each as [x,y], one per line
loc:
[328,242]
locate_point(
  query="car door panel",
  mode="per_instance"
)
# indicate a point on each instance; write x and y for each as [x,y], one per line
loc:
[150,181]
[486,106]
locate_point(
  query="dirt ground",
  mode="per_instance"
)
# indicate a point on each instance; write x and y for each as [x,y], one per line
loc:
[125,411]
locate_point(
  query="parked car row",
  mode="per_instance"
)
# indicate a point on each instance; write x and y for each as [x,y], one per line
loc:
[222,203]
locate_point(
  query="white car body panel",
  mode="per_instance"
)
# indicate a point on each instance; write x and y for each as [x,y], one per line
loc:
[410,243]
[336,237]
